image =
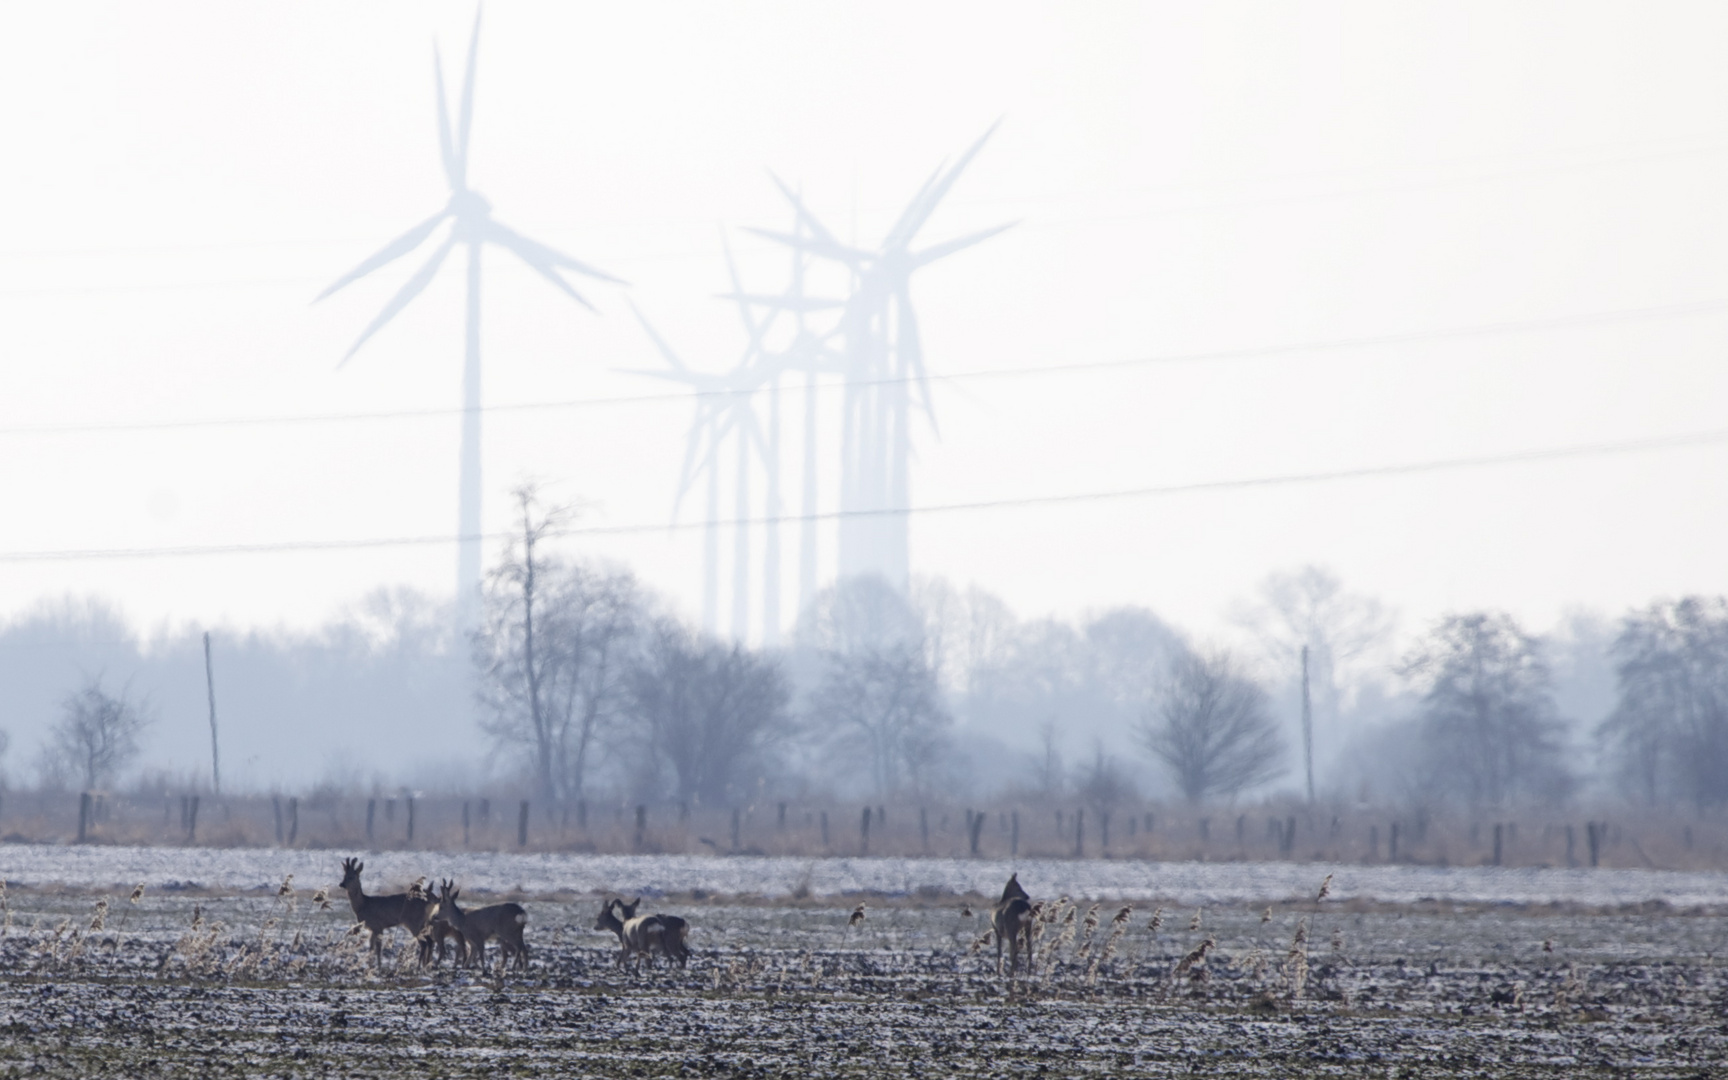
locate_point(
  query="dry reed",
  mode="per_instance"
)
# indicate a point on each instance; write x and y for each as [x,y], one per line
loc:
[1296,961]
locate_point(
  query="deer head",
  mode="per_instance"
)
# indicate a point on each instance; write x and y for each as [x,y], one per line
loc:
[607,920]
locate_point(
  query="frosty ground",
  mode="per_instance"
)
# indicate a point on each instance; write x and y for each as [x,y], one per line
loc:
[212,978]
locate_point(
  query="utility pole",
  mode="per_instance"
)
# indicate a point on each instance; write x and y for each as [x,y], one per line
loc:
[1307,727]
[210,688]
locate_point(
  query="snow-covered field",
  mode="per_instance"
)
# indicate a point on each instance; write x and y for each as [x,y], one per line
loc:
[183,985]
[1188,883]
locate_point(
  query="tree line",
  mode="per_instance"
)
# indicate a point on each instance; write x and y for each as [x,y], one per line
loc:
[589,685]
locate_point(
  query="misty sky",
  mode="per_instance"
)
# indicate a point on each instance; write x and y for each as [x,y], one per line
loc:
[182,179]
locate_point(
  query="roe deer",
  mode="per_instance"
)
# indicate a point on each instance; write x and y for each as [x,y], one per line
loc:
[417,915]
[1011,920]
[671,939]
[379,913]
[439,931]
[502,921]
[638,935]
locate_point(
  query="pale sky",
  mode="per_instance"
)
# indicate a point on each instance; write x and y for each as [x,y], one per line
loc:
[182,179]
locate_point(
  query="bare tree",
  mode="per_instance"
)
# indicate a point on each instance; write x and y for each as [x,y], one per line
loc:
[1102,784]
[1309,607]
[1208,723]
[97,734]
[964,631]
[1488,716]
[1669,730]
[553,649]
[709,712]
[1047,769]
[884,701]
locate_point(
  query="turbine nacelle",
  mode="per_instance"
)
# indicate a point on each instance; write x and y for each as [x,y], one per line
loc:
[469,205]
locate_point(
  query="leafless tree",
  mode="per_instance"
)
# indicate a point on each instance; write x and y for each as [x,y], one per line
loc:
[1310,607]
[1047,770]
[1102,783]
[1669,730]
[553,649]
[857,614]
[883,701]
[1208,723]
[965,631]
[709,712]
[1487,712]
[97,734]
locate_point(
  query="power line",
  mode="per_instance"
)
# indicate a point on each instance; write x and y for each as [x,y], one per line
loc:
[1518,457]
[1492,329]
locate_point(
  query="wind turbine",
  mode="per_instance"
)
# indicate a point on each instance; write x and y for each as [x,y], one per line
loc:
[884,358]
[724,409]
[808,352]
[473,226]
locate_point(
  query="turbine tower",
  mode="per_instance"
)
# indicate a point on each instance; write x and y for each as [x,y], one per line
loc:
[884,359]
[473,226]
[809,352]
[725,410]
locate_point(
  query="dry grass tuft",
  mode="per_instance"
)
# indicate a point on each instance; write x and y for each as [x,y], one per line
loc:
[1296,961]
[1195,959]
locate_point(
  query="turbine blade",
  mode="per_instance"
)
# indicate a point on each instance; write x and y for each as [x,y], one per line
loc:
[925,205]
[550,273]
[898,235]
[911,346]
[467,116]
[814,245]
[389,253]
[692,445]
[804,213]
[446,148]
[410,289]
[551,256]
[783,303]
[659,343]
[943,250]
[750,326]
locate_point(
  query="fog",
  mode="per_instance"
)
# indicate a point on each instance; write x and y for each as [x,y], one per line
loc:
[1077,331]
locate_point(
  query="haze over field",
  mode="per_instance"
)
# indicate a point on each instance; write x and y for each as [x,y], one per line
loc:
[1430,297]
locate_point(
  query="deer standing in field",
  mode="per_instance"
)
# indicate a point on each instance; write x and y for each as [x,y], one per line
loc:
[380,913]
[502,921]
[439,933]
[640,935]
[1011,920]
